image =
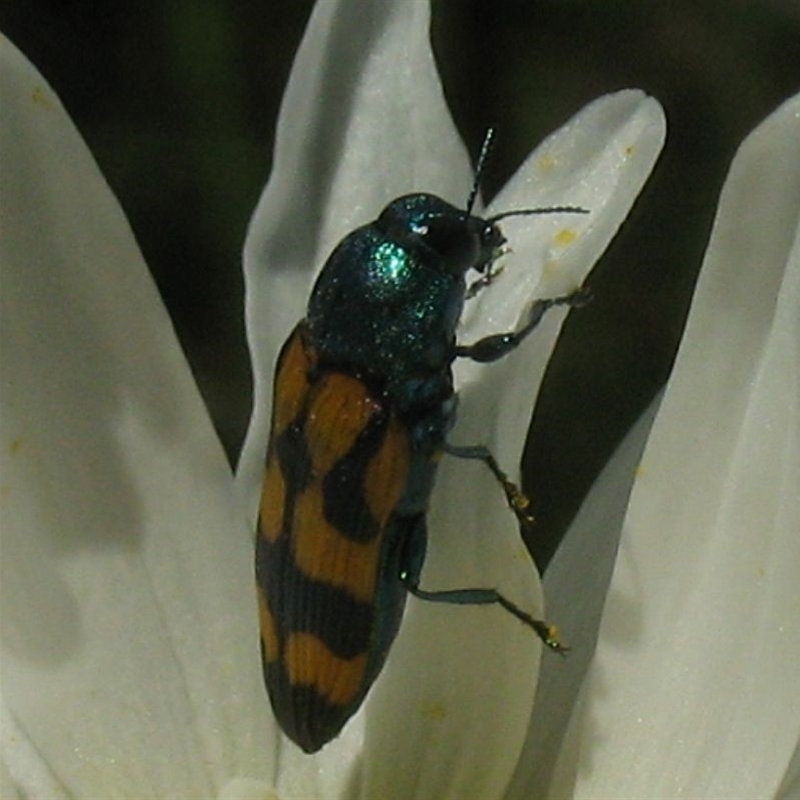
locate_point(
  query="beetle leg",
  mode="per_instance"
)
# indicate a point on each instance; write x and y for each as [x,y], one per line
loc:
[487,279]
[481,597]
[494,347]
[517,500]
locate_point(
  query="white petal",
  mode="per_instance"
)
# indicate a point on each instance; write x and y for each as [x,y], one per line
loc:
[599,160]
[695,689]
[8,790]
[575,585]
[23,766]
[248,789]
[790,786]
[128,644]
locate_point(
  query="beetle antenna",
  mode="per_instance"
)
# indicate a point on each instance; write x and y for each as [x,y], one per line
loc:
[526,212]
[486,149]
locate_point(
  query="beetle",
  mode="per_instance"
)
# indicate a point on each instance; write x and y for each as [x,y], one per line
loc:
[363,402]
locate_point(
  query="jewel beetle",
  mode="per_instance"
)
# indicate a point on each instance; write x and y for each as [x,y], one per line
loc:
[363,402]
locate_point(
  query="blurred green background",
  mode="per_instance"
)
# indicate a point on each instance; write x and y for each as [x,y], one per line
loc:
[178,101]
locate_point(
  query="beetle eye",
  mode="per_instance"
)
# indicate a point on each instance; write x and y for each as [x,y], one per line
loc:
[453,239]
[491,238]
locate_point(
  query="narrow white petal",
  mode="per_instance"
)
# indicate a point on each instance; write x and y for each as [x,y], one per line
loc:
[695,689]
[248,789]
[8,789]
[575,585]
[790,786]
[599,161]
[22,765]
[128,648]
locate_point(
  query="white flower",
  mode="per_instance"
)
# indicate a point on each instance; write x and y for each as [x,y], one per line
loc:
[129,657]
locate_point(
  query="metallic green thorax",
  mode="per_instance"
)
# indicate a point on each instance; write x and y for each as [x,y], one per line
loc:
[388,299]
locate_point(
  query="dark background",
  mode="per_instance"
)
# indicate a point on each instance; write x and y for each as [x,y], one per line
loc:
[178,102]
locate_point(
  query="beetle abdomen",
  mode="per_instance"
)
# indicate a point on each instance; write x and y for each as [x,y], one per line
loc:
[337,467]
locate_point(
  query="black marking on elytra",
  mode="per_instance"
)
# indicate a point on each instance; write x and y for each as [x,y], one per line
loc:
[345,506]
[306,716]
[293,456]
[292,596]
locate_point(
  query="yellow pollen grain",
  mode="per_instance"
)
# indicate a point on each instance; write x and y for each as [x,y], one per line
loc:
[434,711]
[565,237]
[550,267]
[546,162]
[40,96]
